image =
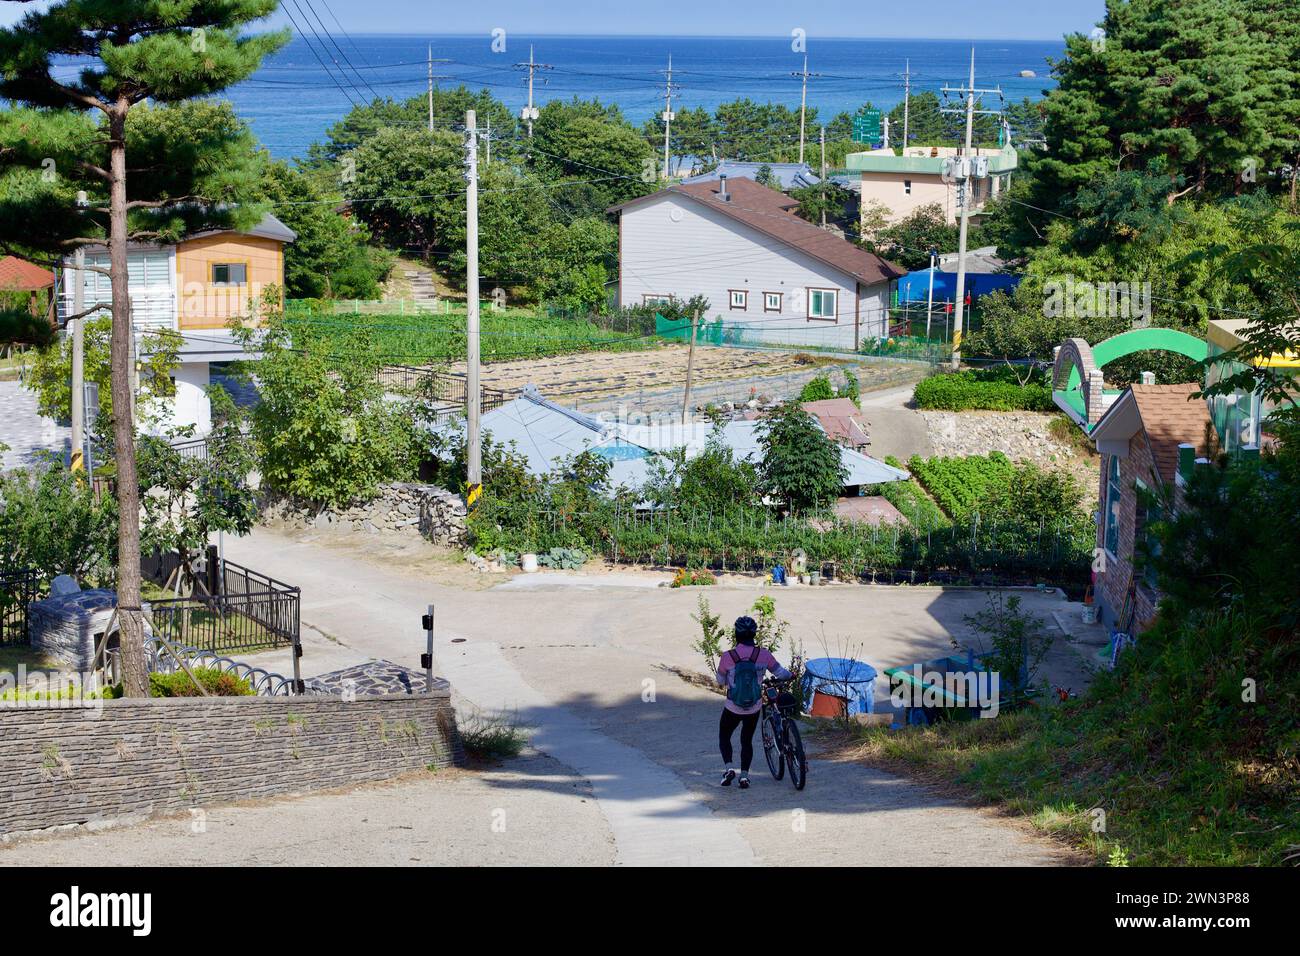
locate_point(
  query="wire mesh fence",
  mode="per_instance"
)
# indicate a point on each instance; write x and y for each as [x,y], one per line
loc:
[18,589]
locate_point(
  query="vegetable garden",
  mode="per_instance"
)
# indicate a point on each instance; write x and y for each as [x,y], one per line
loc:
[430,337]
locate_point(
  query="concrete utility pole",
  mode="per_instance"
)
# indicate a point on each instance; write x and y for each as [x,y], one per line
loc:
[823,177]
[474,450]
[668,115]
[803,101]
[964,172]
[78,359]
[529,112]
[907,98]
[431,82]
[884,120]
[690,369]
[929,299]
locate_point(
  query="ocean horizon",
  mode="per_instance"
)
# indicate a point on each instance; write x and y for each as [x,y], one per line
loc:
[306,87]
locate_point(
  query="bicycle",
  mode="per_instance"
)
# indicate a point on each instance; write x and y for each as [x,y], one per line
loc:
[782,744]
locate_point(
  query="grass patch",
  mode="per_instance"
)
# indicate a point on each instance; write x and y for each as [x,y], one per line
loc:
[1068,433]
[491,736]
[13,655]
[1160,764]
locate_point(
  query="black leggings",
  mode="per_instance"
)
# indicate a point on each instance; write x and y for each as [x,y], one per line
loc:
[727,726]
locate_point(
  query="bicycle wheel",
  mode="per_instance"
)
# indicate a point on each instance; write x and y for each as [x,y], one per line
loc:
[795,757]
[771,749]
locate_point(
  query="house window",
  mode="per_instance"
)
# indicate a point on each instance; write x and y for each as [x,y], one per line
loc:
[655,299]
[229,273]
[771,301]
[822,304]
[907,186]
[1113,492]
[739,299]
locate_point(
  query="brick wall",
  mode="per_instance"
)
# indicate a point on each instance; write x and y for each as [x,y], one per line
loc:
[1112,585]
[141,757]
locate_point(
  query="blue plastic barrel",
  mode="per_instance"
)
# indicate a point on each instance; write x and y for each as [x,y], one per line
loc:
[842,677]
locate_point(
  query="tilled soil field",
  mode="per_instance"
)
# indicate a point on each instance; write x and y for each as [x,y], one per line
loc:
[657,376]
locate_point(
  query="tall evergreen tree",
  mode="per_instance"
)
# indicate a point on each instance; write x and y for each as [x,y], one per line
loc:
[117,154]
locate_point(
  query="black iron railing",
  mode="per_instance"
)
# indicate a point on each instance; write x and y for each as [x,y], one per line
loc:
[231,607]
[18,589]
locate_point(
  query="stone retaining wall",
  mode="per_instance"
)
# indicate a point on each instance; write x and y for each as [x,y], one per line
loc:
[135,758]
[401,508]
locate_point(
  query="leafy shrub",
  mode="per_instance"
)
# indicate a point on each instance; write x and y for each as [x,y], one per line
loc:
[801,466]
[686,577]
[992,389]
[51,521]
[911,501]
[817,389]
[217,683]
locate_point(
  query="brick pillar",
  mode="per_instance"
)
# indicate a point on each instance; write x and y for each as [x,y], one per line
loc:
[1092,396]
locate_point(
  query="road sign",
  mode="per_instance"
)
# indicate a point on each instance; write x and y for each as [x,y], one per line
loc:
[866,127]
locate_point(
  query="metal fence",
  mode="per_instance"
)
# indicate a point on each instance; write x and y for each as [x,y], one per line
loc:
[235,609]
[17,590]
[436,385]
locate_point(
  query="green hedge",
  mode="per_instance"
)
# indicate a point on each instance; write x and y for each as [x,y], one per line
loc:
[992,389]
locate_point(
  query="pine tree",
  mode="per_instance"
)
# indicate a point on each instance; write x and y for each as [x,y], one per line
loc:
[120,153]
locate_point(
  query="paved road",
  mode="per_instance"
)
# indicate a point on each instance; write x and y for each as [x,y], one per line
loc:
[28,434]
[581,660]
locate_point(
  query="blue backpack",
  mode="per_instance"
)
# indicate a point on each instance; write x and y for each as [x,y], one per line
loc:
[746,683]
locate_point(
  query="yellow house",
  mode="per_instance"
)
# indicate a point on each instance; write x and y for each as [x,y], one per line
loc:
[195,288]
[222,275]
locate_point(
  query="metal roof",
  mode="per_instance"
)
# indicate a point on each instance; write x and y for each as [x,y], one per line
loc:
[787,175]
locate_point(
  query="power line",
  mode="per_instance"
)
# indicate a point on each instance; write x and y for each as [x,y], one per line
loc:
[319,59]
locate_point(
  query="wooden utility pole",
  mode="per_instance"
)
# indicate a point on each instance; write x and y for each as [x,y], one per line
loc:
[690,369]
[474,450]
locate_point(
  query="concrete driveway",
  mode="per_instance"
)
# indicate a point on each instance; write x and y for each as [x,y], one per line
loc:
[581,660]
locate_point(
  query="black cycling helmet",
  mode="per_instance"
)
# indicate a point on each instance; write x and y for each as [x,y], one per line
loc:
[746,630]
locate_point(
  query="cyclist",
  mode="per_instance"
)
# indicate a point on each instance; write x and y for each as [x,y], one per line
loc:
[741,671]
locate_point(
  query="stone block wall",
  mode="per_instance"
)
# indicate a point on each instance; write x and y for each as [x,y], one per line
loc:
[135,758]
[402,508]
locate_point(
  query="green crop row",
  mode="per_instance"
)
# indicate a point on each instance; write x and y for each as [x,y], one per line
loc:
[440,337]
[959,485]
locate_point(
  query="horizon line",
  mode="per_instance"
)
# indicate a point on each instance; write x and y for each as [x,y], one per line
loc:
[708,36]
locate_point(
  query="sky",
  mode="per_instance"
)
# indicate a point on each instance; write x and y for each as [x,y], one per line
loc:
[947,19]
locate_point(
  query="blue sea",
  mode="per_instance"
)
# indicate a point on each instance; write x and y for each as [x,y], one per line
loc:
[306,87]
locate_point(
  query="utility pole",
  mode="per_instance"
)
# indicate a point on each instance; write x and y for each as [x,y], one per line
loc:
[803,101]
[929,299]
[884,120]
[690,369]
[78,360]
[668,114]
[907,99]
[964,172]
[431,81]
[823,176]
[487,143]
[529,112]
[474,449]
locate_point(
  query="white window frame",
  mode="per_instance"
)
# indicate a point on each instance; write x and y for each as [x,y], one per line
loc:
[744,300]
[655,298]
[767,301]
[821,315]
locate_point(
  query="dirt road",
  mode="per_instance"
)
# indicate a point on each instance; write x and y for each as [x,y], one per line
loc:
[581,660]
